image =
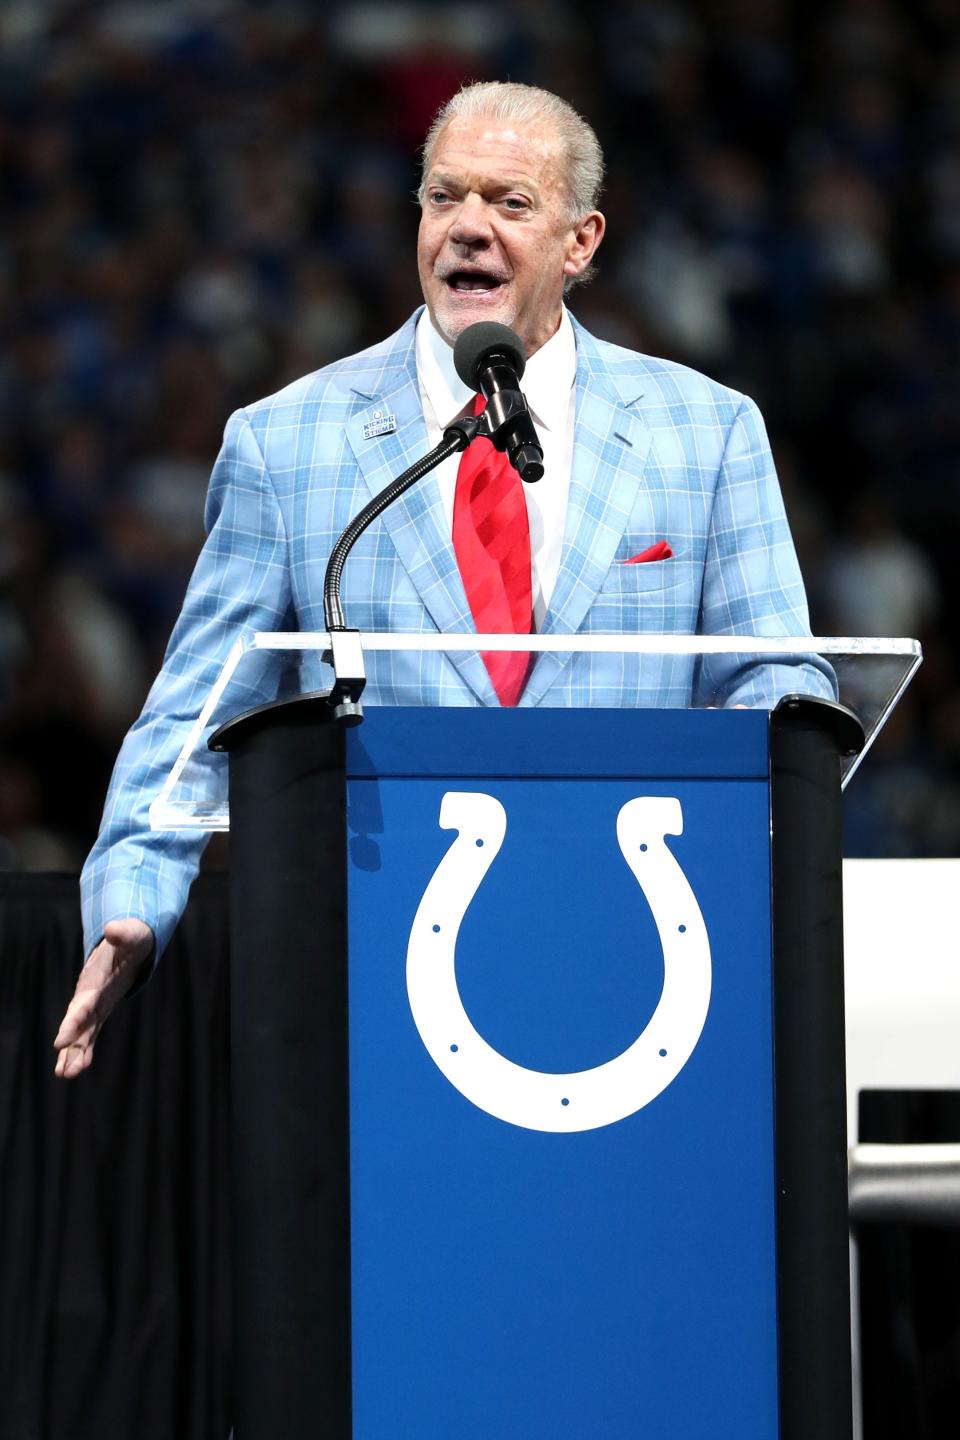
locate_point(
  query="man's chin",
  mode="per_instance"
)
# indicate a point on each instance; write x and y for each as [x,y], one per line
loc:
[452,317]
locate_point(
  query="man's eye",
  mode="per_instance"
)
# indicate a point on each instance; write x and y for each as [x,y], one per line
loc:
[515,202]
[439,197]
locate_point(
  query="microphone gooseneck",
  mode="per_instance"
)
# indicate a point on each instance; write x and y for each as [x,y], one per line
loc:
[489,358]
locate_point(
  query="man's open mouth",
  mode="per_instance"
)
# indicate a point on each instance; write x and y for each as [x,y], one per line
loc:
[466,281]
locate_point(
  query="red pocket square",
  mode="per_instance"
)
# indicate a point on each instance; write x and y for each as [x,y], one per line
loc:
[660,551]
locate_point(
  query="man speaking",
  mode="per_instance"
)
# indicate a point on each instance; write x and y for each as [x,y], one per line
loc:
[659,511]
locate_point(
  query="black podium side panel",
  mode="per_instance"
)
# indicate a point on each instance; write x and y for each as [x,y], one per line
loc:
[289,1038]
[812,1223]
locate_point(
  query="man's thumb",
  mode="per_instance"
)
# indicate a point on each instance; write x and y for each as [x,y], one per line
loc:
[131,935]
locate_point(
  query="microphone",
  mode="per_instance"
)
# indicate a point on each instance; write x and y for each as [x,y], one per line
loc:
[489,358]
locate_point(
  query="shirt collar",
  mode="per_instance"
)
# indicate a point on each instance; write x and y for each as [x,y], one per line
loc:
[547,379]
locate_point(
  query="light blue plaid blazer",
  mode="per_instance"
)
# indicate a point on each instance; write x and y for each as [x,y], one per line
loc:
[660,453]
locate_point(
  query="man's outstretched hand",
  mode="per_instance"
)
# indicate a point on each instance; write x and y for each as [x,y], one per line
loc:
[110,972]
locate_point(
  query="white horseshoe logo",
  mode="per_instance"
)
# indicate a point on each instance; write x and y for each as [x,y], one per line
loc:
[534,1099]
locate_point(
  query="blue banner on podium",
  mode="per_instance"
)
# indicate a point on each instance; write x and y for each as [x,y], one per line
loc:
[561,1076]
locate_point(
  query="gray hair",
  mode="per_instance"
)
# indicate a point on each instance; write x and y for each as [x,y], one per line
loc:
[527,105]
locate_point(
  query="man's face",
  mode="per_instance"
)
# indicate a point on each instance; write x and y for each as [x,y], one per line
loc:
[495,241]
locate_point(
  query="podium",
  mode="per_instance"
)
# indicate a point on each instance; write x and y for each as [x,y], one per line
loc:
[538,1057]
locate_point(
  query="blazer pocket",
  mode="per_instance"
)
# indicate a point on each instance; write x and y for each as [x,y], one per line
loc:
[662,595]
[650,577]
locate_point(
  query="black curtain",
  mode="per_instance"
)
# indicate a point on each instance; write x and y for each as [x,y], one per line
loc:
[114,1214]
[910,1288]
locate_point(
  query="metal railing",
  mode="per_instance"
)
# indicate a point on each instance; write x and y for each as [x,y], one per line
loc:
[912,1184]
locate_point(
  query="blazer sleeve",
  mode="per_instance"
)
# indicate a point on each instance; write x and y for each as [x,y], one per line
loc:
[241,583]
[752,583]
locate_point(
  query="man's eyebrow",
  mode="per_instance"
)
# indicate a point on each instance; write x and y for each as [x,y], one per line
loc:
[498,185]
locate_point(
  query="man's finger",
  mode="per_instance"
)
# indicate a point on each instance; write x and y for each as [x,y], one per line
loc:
[85,1014]
[73,1061]
[80,1016]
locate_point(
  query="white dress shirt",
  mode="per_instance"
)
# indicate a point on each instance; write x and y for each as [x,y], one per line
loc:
[548,386]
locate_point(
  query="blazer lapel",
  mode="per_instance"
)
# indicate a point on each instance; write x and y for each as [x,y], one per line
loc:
[415,522]
[611,441]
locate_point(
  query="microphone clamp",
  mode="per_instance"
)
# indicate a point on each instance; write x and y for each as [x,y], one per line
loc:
[506,421]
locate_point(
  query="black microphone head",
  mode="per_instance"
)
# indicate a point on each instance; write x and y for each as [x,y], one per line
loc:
[481,343]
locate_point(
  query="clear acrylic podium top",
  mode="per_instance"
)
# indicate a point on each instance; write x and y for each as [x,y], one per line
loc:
[868,676]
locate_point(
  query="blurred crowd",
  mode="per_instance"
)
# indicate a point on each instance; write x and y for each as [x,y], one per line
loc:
[203,199]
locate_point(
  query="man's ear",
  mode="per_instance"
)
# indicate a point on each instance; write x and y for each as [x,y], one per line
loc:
[586,238]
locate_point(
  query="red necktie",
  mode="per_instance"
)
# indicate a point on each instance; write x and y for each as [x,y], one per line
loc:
[491,538]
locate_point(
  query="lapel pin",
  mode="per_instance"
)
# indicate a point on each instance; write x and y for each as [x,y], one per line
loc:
[380,424]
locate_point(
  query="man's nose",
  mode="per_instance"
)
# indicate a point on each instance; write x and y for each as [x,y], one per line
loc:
[472,223]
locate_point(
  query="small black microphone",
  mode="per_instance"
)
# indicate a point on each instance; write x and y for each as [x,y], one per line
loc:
[489,358]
